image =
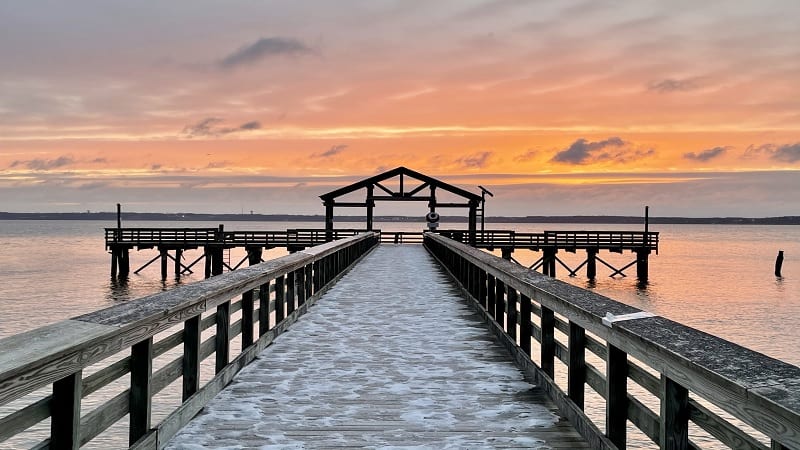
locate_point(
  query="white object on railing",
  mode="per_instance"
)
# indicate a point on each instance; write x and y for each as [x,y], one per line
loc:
[609,319]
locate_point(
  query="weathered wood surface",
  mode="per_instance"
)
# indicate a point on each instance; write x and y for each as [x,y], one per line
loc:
[759,390]
[390,356]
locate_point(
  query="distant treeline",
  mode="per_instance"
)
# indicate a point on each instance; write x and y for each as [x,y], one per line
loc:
[189,217]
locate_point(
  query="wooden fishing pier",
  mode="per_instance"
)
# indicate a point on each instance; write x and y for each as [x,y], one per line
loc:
[439,345]
[215,241]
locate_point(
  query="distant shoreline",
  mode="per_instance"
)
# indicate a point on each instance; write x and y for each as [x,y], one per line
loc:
[192,217]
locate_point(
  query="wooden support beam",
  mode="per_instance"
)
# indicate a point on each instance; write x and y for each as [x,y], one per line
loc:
[548,343]
[525,329]
[191,356]
[248,306]
[65,415]
[141,389]
[384,188]
[591,263]
[263,309]
[222,338]
[617,396]
[280,298]
[417,189]
[164,261]
[674,430]
[576,377]
[178,268]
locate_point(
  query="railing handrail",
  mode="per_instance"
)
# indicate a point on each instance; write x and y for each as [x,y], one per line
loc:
[757,389]
[37,358]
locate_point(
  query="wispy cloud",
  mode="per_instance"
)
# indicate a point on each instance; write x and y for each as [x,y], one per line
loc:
[613,149]
[673,85]
[262,49]
[475,161]
[705,155]
[44,164]
[208,127]
[527,156]
[333,151]
[789,153]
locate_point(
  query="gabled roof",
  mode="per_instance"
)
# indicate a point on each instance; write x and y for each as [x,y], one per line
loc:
[396,172]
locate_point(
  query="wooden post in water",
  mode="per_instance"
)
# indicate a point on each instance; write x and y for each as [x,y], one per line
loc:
[209,256]
[506,252]
[591,263]
[779,264]
[178,257]
[642,256]
[164,260]
[549,262]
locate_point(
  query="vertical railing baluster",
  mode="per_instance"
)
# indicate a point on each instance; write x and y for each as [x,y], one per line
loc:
[511,313]
[191,356]
[280,297]
[291,284]
[317,276]
[674,432]
[222,338]
[301,286]
[263,308]
[482,288]
[141,389]
[576,375]
[548,344]
[525,324]
[499,301]
[617,396]
[491,294]
[65,420]
[309,277]
[247,319]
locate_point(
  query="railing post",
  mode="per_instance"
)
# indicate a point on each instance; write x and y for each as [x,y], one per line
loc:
[291,284]
[280,297]
[525,324]
[263,308]
[309,277]
[247,318]
[492,294]
[511,313]
[548,344]
[482,288]
[500,303]
[191,356]
[617,396]
[140,398]
[65,421]
[576,375]
[222,338]
[317,276]
[674,432]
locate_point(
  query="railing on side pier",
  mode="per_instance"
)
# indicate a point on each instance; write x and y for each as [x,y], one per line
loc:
[56,355]
[568,240]
[692,369]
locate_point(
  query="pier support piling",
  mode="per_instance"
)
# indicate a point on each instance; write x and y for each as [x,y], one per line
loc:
[779,264]
[178,267]
[164,261]
[591,263]
[506,252]
[642,256]
[549,261]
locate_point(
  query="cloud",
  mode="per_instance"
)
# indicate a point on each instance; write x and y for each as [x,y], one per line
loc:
[705,155]
[208,127]
[44,164]
[333,151]
[672,85]
[99,161]
[474,161]
[527,156]
[261,49]
[583,151]
[789,153]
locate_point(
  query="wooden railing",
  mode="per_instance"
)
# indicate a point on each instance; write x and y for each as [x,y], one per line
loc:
[571,240]
[683,374]
[270,297]
[205,236]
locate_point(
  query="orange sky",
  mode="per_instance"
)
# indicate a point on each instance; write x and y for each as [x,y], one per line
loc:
[573,107]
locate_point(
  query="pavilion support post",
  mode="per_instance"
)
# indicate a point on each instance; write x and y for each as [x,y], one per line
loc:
[370,206]
[328,220]
[473,221]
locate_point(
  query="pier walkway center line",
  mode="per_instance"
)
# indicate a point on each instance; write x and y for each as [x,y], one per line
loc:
[390,357]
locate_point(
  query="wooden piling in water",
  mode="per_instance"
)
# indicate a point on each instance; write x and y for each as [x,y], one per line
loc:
[164,260]
[642,256]
[779,263]
[591,263]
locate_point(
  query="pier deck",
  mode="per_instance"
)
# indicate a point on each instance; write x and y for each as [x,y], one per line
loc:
[390,356]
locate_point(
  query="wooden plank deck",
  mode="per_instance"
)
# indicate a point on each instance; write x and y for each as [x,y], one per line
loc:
[391,357]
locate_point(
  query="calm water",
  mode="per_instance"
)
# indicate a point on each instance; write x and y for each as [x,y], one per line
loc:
[712,277]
